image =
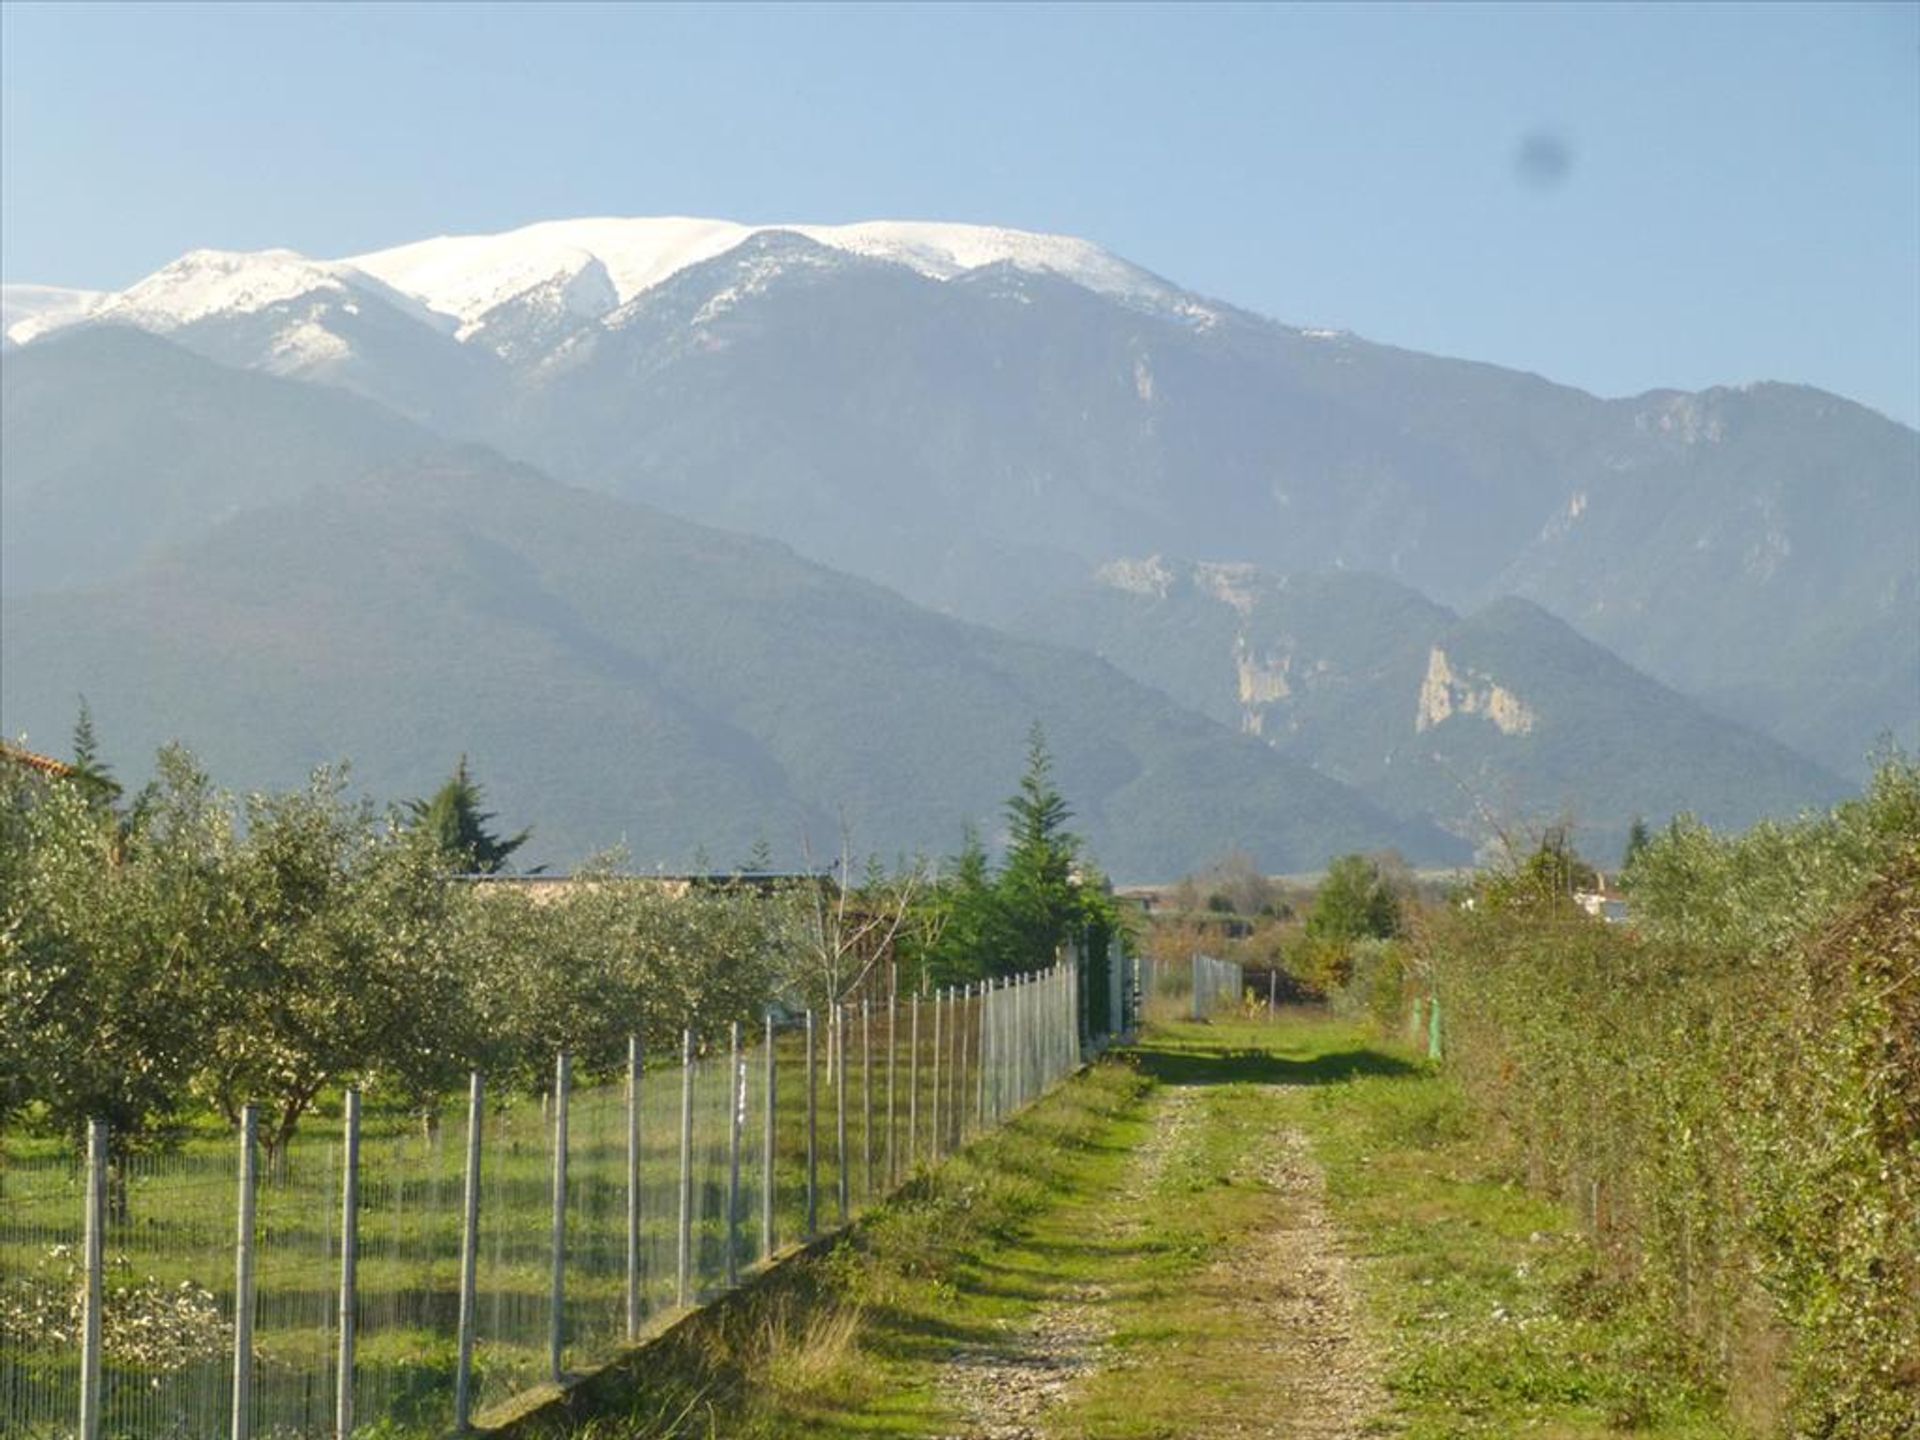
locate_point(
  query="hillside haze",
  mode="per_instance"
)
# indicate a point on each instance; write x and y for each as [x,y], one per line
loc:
[618,675]
[993,424]
[1504,719]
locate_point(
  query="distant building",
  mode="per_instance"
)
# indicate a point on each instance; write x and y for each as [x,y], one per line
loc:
[544,888]
[1604,902]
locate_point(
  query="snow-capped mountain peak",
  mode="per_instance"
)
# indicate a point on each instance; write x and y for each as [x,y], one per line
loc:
[205,283]
[467,275]
[521,293]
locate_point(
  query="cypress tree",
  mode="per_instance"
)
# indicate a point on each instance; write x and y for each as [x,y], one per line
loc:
[453,817]
[92,774]
[1039,905]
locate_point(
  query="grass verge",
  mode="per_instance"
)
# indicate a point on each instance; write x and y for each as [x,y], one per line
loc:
[848,1342]
[1137,1189]
[1492,1311]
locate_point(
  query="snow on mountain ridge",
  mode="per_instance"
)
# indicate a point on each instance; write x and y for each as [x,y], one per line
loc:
[205,283]
[592,269]
[30,311]
[467,275]
[212,282]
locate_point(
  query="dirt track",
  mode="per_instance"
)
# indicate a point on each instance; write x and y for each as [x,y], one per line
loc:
[1280,1303]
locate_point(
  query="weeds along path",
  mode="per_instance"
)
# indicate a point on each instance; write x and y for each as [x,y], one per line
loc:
[1005,1390]
[1144,1255]
[1151,1253]
[1234,1307]
[1207,1294]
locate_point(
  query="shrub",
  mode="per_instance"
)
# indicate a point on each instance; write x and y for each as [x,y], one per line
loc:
[1729,1093]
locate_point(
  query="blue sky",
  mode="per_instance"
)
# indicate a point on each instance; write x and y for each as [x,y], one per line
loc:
[1712,194]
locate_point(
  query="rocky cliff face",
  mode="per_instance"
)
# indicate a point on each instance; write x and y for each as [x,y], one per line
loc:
[1502,717]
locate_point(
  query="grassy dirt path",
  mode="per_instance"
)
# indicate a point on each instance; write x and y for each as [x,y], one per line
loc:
[1245,1229]
[1234,1307]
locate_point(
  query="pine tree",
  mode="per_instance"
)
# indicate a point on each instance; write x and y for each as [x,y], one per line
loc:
[965,916]
[1638,838]
[1039,905]
[92,774]
[458,825]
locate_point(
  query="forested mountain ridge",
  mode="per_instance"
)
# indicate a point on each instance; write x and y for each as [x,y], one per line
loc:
[620,676]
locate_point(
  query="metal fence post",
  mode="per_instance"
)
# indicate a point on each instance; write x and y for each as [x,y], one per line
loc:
[996,1034]
[957,1086]
[636,1063]
[736,1119]
[469,1257]
[947,1102]
[969,1058]
[866,1091]
[893,1006]
[1021,1039]
[913,1081]
[950,1104]
[813,1136]
[243,1276]
[1017,1051]
[1082,1001]
[95,1252]
[557,1293]
[1026,1035]
[349,1264]
[1023,1030]
[768,1171]
[840,1104]
[683,1270]
[933,1117]
[956,1065]
[986,1050]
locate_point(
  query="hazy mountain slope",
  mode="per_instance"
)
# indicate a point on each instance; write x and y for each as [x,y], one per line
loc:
[1760,549]
[979,417]
[616,673]
[903,427]
[979,441]
[1504,716]
[114,442]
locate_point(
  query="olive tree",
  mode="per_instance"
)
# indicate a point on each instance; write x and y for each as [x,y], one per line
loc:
[340,965]
[110,933]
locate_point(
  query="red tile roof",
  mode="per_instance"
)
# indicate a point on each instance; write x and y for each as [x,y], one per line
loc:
[45,764]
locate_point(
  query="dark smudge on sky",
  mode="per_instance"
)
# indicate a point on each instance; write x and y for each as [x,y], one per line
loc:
[1542,160]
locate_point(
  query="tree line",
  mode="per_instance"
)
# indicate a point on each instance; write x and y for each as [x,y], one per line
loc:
[191,951]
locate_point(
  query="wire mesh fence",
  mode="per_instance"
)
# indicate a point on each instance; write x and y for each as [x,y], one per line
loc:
[337,1264]
[1216,983]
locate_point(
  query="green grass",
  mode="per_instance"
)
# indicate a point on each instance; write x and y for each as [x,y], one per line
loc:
[849,1343]
[1490,1300]
[1482,1302]
[179,1221]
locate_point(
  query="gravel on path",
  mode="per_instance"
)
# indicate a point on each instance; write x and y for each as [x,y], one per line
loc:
[1293,1280]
